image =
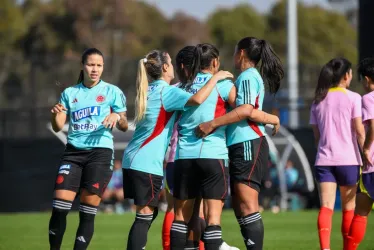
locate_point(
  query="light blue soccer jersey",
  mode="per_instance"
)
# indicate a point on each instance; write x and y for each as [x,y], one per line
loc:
[250,90]
[147,148]
[87,109]
[214,145]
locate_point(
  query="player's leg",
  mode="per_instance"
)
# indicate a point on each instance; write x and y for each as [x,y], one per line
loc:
[145,189]
[214,191]
[169,215]
[347,178]
[326,179]
[106,199]
[67,184]
[96,174]
[186,189]
[202,225]
[118,194]
[248,164]
[364,204]
[194,226]
[62,203]
[87,212]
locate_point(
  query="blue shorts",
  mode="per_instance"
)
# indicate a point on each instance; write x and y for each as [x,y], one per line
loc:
[341,175]
[170,177]
[366,185]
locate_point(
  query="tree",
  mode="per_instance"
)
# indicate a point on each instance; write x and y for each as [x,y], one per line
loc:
[193,32]
[228,26]
[322,34]
[12,27]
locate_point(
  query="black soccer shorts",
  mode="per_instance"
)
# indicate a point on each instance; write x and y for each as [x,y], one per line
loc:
[206,178]
[249,163]
[143,187]
[89,169]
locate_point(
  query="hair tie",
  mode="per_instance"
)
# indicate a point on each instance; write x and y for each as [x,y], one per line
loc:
[145,60]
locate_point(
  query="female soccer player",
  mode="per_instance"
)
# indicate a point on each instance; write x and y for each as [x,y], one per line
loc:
[94,107]
[143,158]
[248,148]
[365,195]
[186,60]
[337,125]
[200,166]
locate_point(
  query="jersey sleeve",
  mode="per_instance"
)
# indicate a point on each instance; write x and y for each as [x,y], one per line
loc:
[356,109]
[65,101]
[174,98]
[224,87]
[313,118]
[247,90]
[119,101]
[367,108]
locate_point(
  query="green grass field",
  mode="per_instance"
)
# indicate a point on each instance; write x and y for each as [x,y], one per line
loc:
[295,230]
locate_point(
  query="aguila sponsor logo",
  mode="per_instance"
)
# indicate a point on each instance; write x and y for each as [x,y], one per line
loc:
[86,112]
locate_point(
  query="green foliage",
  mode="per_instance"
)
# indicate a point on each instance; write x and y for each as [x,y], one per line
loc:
[322,34]
[39,35]
[228,26]
[146,29]
[12,25]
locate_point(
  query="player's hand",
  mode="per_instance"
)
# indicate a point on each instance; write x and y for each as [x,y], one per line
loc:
[221,75]
[111,120]
[204,129]
[367,159]
[58,108]
[276,127]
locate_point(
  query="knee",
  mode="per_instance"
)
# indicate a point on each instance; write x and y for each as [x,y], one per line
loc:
[144,210]
[328,204]
[214,216]
[248,207]
[183,212]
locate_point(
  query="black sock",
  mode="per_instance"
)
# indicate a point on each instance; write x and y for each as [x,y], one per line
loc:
[178,235]
[252,229]
[213,237]
[57,223]
[192,245]
[85,230]
[138,232]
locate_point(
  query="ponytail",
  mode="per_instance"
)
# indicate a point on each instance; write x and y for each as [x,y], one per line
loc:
[271,68]
[149,68]
[81,77]
[141,92]
[189,57]
[196,66]
[330,76]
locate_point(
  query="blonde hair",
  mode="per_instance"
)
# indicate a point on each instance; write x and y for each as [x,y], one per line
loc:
[149,68]
[141,91]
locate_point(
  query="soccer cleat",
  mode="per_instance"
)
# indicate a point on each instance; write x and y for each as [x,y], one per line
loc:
[224,246]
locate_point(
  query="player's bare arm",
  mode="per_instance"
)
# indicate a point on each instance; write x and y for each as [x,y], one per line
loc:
[58,117]
[118,119]
[122,124]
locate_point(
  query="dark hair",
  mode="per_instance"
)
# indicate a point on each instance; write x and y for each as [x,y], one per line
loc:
[149,68]
[207,53]
[87,53]
[330,76]
[190,58]
[271,68]
[366,68]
